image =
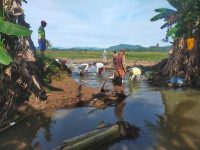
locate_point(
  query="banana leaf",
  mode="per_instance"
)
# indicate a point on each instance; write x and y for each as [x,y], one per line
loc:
[159,16]
[13,29]
[1,14]
[160,10]
[172,32]
[23,1]
[165,25]
[5,58]
[163,13]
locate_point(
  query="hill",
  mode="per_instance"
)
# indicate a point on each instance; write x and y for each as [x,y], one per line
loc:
[125,46]
[128,47]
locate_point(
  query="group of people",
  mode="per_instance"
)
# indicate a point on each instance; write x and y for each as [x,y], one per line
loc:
[118,63]
[86,68]
[118,59]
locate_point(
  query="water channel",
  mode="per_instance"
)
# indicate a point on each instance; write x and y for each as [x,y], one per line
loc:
[168,120]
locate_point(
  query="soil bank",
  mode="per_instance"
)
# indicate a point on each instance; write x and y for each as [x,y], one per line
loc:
[63,94]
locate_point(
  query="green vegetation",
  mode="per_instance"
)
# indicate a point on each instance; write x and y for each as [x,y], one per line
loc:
[155,55]
[9,28]
[183,21]
[50,68]
[183,27]
[13,29]
[18,69]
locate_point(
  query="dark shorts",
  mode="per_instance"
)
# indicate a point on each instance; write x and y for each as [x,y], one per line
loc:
[42,44]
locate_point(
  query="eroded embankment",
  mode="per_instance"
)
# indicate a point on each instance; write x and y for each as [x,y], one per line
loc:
[64,93]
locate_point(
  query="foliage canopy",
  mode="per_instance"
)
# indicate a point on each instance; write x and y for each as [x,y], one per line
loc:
[183,21]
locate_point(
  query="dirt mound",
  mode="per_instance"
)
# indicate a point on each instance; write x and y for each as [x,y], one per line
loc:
[65,93]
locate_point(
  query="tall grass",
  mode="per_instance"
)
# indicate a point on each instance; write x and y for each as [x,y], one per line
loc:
[152,56]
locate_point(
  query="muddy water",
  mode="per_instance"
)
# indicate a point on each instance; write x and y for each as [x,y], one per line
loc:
[168,119]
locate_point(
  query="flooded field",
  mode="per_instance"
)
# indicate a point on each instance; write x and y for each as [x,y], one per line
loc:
[168,120]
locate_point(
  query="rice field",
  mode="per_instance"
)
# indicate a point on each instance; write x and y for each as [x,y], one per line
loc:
[152,56]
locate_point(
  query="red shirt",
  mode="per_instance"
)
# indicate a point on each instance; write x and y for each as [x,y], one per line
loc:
[119,61]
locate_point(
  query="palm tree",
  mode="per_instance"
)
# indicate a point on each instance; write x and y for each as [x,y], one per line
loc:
[183,26]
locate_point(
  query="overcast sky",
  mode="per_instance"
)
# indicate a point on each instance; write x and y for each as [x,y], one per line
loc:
[97,23]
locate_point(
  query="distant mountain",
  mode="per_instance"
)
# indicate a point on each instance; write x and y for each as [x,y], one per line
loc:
[86,48]
[125,46]
[128,47]
[77,49]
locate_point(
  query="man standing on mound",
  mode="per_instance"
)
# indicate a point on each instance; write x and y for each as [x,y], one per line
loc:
[41,37]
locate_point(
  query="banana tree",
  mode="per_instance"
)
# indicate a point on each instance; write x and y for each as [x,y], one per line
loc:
[183,26]
[5,58]
[20,78]
[170,17]
[10,29]
[182,20]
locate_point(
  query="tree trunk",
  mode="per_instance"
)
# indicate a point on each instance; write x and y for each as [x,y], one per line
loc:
[184,63]
[99,137]
[20,78]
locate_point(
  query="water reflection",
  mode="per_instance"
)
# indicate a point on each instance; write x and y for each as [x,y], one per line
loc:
[168,119]
[22,135]
[133,88]
[180,127]
[119,110]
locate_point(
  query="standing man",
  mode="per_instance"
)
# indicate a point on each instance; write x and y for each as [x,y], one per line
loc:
[120,64]
[41,37]
[104,56]
[120,71]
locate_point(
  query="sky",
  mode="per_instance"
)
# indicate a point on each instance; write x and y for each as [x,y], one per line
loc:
[97,23]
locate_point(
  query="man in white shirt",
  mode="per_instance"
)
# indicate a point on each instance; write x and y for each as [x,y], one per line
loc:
[88,68]
[99,68]
[83,68]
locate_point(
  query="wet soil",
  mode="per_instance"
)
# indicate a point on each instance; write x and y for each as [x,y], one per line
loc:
[63,94]
[68,93]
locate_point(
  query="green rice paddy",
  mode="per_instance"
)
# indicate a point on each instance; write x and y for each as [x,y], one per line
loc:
[152,55]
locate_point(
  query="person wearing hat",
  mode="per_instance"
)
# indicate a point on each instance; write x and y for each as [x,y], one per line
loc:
[41,37]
